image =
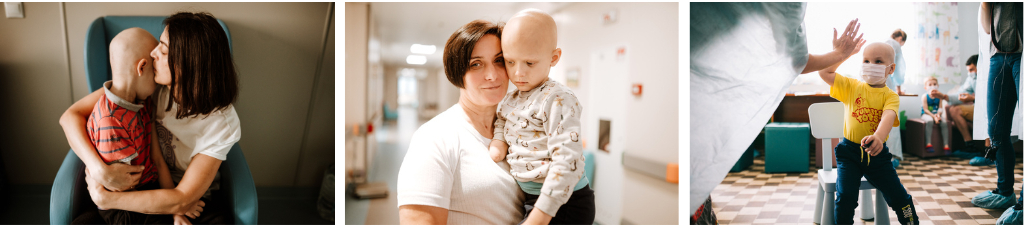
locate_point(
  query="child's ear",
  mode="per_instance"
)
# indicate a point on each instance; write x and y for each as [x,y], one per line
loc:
[891,70]
[555,56]
[140,67]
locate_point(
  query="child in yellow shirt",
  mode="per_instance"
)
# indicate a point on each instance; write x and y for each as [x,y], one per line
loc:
[869,114]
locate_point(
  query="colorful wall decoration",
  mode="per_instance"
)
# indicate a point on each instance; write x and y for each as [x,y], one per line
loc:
[937,38]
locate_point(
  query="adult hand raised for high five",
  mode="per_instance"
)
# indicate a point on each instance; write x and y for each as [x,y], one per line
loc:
[847,44]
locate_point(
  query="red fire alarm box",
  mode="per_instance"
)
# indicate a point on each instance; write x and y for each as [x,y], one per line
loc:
[638,89]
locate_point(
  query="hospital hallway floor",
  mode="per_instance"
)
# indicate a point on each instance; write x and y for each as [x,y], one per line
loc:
[942,188]
[392,143]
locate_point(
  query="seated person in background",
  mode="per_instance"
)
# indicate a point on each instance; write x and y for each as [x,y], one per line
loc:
[119,126]
[932,113]
[961,108]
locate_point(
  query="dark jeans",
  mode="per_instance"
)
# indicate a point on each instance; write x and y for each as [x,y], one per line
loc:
[1003,87]
[579,210]
[852,164]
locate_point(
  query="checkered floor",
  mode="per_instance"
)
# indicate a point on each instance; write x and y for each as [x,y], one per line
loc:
[942,189]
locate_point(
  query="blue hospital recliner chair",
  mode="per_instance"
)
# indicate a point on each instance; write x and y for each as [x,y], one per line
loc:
[69,197]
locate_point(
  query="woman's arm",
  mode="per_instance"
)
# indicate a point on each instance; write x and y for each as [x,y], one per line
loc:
[986,17]
[178,200]
[422,215]
[116,176]
[164,174]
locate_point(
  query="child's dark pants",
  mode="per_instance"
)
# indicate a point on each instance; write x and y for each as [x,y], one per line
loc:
[579,210]
[854,163]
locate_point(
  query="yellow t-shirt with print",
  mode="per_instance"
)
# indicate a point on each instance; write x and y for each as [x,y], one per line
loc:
[863,106]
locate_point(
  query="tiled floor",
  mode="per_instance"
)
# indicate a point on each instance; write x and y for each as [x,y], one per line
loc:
[942,189]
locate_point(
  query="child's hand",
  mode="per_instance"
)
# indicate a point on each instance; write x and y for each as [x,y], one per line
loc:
[537,217]
[872,145]
[498,150]
[181,220]
[847,44]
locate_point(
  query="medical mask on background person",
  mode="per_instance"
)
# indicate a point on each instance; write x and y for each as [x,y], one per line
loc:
[972,75]
[873,74]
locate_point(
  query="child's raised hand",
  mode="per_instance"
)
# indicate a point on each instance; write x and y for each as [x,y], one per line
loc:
[847,43]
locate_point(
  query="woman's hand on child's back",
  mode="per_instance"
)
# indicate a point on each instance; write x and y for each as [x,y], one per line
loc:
[118,176]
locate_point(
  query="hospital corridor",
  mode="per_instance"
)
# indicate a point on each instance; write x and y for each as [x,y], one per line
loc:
[620,91]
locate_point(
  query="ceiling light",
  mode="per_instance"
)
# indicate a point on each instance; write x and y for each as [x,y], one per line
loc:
[416,59]
[423,49]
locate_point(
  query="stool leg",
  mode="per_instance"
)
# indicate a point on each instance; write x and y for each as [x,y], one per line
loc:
[881,209]
[828,209]
[866,211]
[817,205]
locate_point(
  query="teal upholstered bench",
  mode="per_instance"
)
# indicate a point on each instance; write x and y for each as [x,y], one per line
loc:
[787,147]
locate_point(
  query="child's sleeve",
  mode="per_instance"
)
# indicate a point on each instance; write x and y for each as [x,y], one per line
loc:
[499,123]
[892,102]
[566,164]
[114,141]
[840,89]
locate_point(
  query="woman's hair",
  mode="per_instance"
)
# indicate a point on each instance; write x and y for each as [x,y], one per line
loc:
[899,34]
[460,45]
[203,77]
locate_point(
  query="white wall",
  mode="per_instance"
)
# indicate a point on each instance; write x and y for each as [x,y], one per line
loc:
[967,16]
[650,32]
[356,36]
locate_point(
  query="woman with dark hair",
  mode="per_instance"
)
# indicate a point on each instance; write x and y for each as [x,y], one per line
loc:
[196,126]
[447,176]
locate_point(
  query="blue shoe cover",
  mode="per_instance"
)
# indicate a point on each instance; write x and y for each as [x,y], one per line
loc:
[981,161]
[988,200]
[964,154]
[1010,217]
[895,163]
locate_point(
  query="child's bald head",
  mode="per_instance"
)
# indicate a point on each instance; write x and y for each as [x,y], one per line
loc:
[128,48]
[530,28]
[879,53]
[529,45]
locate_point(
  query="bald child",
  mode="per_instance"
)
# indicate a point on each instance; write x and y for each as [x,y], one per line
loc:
[869,115]
[119,126]
[538,126]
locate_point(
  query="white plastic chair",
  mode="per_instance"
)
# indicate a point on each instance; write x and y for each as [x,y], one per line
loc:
[827,123]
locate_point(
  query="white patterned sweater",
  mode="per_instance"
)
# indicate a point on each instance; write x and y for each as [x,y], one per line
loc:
[542,128]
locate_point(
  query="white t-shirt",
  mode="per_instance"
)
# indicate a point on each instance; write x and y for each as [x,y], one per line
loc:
[211,135]
[448,166]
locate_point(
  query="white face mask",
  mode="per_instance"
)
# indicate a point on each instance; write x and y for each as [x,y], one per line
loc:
[972,75]
[873,74]
[931,88]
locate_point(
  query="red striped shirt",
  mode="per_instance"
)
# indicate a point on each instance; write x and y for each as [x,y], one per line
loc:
[119,133]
